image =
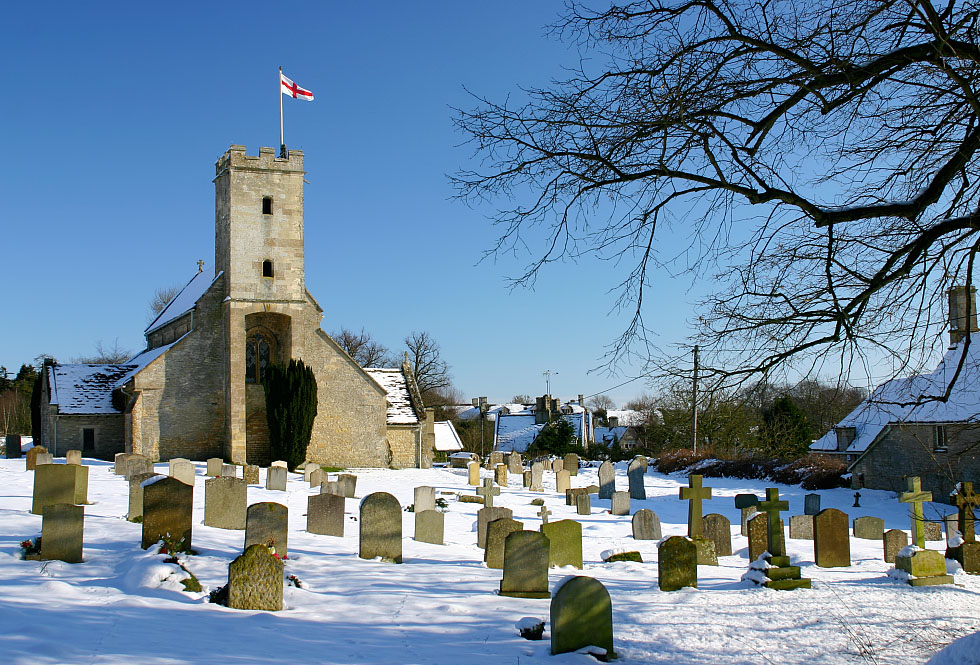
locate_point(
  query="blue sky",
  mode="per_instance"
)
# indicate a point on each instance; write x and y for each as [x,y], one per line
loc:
[116,113]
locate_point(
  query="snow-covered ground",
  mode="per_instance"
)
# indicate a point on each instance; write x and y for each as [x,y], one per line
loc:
[122,604]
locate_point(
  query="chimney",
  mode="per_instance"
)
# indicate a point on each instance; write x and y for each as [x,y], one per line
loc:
[581,400]
[962,312]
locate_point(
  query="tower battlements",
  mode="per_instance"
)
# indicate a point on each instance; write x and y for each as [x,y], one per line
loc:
[266,160]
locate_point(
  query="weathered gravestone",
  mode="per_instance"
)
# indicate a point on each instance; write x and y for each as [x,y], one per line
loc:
[348,483]
[138,464]
[537,477]
[229,471]
[925,567]
[12,448]
[525,565]
[718,529]
[267,523]
[425,498]
[275,478]
[607,480]
[31,457]
[214,466]
[869,528]
[332,487]
[570,464]
[565,538]
[677,564]
[932,530]
[749,505]
[831,541]
[250,474]
[280,463]
[646,525]
[562,481]
[514,463]
[61,532]
[48,458]
[135,513]
[59,483]
[225,501]
[967,550]
[381,527]
[526,478]
[430,526]
[581,616]
[486,515]
[894,541]
[583,504]
[73,457]
[571,494]
[119,464]
[183,470]
[173,462]
[255,580]
[316,477]
[497,532]
[636,473]
[168,507]
[308,470]
[473,474]
[811,504]
[801,527]
[557,465]
[500,475]
[325,514]
[496,457]
[620,503]
[758,530]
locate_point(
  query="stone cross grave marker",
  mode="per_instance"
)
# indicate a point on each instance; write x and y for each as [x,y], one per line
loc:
[565,538]
[425,498]
[537,477]
[581,616]
[214,466]
[430,526]
[275,478]
[135,512]
[225,501]
[30,463]
[894,541]
[772,507]
[677,563]
[255,580]
[61,532]
[966,501]
[718,529]
[73,457]
[544,513]
[168,513]
[488,491]
[607,480]
[525,565]
[267,523]
[620,503]
[59,483]
[570,464]
[381,528]
[869,528]
[811,504]
[486,515]
[636,473]
[583,504]
[325,514]
[646,525]
[694,493]
[497,532]
[831,540]
[500,475]
[473,473]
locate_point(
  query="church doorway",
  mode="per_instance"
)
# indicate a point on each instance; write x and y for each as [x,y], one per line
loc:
[267,342]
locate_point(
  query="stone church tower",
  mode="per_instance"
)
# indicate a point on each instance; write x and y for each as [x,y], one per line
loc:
[196,390]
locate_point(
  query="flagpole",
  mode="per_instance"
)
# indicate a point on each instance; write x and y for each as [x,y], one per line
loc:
[282,141]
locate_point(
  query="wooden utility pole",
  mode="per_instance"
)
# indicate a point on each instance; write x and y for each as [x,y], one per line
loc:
[694,403]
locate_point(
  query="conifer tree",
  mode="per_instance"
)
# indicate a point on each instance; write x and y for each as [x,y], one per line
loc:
[290,407]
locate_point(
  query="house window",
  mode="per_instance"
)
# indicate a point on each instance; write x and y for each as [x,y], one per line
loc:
[258,353]
[88,439]
[939,445]
[267,268]
[266,205]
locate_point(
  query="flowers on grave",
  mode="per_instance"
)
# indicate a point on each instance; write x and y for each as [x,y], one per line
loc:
[272,548]
[172,546]
[292,580]
[442,504]
[31,548]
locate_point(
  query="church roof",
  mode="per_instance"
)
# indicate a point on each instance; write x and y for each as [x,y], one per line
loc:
[185,300]
[447,440]
[400,410]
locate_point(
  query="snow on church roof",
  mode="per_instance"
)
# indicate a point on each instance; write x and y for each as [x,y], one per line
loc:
[889,403]
[447,440]
[400,410]
[185,300]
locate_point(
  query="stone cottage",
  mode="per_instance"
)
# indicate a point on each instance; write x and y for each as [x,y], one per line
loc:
[902,429]
[196,390]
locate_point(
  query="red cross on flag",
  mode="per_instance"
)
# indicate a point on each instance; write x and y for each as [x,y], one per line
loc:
[293,90]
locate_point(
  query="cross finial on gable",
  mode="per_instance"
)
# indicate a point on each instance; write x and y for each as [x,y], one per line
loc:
[200,266]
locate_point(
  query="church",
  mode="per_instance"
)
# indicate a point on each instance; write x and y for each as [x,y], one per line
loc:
[196,390]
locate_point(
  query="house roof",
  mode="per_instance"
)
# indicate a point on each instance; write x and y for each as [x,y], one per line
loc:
[516,432]
[447,440]
[400,410]
[906,400]
[608,434]
[185,300]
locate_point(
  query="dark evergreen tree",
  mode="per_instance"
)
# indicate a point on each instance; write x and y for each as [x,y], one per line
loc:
[290,407]
[557,438]
[786,432]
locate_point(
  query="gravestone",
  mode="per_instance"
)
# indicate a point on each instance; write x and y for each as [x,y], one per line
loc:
[526,478]
[544,512]
[581,616]
[488,491]
[967,552]
[572,493]
[557,465]
[636,473]
[677,564]
[308,470]
[831,541]
[525,565]
[250,474]
[275,478]
[48,458]
[951,525]
[229,471]
[932,531]
[694,494]
[225,501]
[620,503]
[12,448]
[138,464]
[183,470]
[381,528]
[894,541]
[425,498]
[496,457]
[255,580]
[562,481]
[214,466]
[473,474]
[758,528]
[780,574]
[748,504]
[748,513]
[565,538]
[119,464]
[497,532]
[486,515]
[31,457]
[430,526]
[607,480]
[59,483]
[316,476]
[570,464]
[583,504]
[646,525]
[811,504]
[174,461]
[348,483]
[332,487]
[869,528]
[801,527]
[537,477]
[61,532]
[500,475]
[514,463]
[135,513]
[925,567]
[168,513]
[718,529]
[280,463]
[325,514]
[267,523]
[73,457]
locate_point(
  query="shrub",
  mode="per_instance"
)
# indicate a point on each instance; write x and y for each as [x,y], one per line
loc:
[290,408]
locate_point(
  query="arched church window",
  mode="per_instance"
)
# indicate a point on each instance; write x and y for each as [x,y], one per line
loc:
[258,355]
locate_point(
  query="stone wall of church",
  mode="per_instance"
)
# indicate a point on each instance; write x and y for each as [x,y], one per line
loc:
[67,434]
[404,443]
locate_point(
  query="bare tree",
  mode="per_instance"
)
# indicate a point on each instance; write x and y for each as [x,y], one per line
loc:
[522,399]
[818,161]
[431,371]
[603,402]
[106,355]
[363,348]
[161,298]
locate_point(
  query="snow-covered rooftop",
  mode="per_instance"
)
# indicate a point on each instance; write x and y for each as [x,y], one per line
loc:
[906,400]
[515,432]
[447,440]
[184,300]
[400,410]
[608,434]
